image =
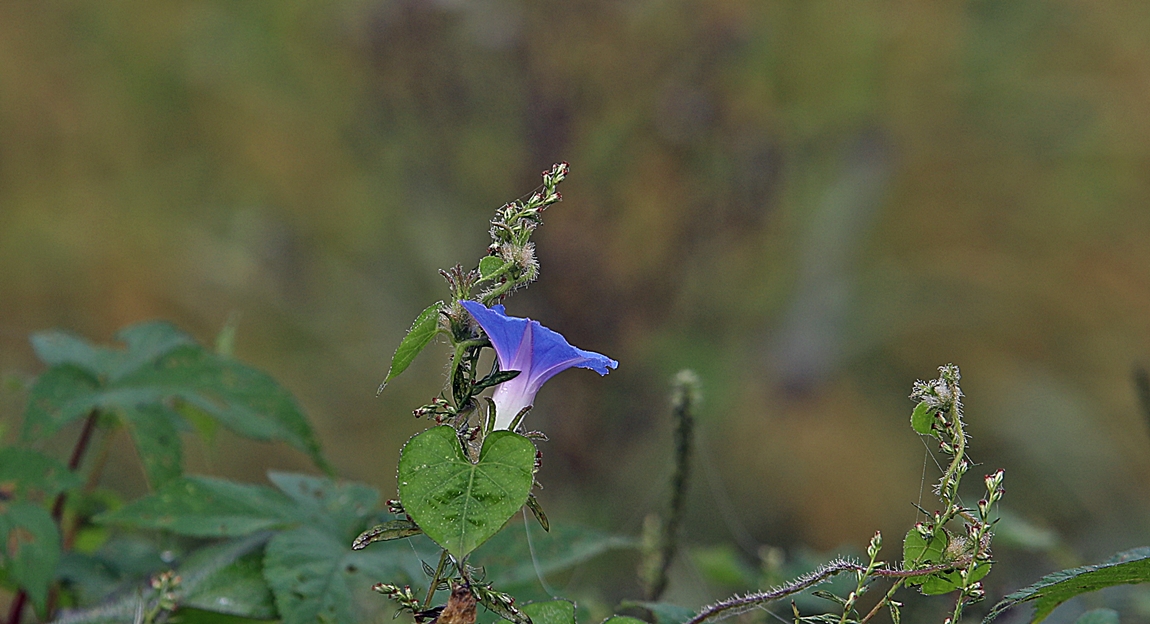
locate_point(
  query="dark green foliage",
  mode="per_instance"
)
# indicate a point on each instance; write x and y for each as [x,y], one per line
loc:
[218,578]
[917,552]
[315,576]
[1098,616]
[507,555]
[207,507]
[227,578]
[162,369]
[1129,567]
[26,474]
[664,612]
[31,549]
[623,619]
[550,612]
[287,551]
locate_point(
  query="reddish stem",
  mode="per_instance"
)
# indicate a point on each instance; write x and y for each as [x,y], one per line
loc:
[17,608]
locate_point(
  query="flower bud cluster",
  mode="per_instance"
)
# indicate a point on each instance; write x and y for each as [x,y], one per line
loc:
[874,546]
[511,233]
[166,585]
[439,408]
[460,281]
[943,394]
[401,595]
[499,603]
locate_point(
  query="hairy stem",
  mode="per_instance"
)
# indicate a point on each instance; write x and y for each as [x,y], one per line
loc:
[684,398]
[736,604]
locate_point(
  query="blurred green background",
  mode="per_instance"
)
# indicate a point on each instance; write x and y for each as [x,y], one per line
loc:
[812,203]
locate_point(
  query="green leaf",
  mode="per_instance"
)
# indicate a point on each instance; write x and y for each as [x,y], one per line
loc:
[215,572]
[623,619]
[508,561]
[424,328]
[550,612]
[24,474]
[493,379]
[199,616]
[395,529]
[342,508]
[489,265]
[153,430]
[161,364]
[1129,567]
[946,582]
[537,511]
[59,396]
[922,418]
[145,342]
[722,566]
[55,347]
[206,507]
[31,549]
[664,612]
[918,552]
[457,503]
[243,399]
[315,577]
[1098,616]
[237,588]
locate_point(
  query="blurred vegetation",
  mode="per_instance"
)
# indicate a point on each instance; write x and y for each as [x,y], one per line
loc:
[811,203]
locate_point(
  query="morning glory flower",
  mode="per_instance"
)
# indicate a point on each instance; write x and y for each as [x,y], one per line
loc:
[536,352]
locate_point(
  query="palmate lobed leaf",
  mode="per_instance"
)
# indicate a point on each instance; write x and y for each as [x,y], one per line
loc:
[243,399]
[457,503]
[340,507]
[154,432]
[145,342]
[1129,567]
[31,549]
[309,568]
[316,577]
[222,578]
[237,588]
[28,474]
[207,507]
[150,383]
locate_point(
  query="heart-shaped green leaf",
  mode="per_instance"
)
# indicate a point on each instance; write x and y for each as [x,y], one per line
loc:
[457,503]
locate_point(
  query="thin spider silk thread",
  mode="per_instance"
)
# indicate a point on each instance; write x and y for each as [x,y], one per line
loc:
[534,561]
